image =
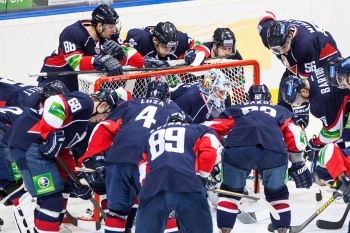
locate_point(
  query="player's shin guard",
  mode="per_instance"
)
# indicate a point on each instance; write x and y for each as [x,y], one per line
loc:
[115,222]
[278,198]
[47,213]
[226,212]
[23,208]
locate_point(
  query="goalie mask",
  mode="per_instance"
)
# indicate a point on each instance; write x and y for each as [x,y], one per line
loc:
[259,92]
[224,37]
[55,87]
[216,87]
[158,90]
[166,37]
[278,37]
[180,117]
[106,15]
[106,95]
[337,70]
[291,90]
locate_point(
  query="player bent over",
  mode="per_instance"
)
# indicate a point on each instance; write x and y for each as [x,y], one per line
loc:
[173,157]
[267,134]
[49,132]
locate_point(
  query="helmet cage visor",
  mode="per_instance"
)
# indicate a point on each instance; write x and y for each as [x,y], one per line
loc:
[113,25]
[167,48]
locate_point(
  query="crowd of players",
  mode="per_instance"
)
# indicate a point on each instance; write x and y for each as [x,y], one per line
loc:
[159,151]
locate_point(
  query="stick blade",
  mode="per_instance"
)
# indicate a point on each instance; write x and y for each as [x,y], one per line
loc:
[246,218]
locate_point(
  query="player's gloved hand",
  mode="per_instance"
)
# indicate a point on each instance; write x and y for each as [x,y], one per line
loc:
[190,56]
[313,146]
[109,63]
[345,188]
[97,185]
[301,115]
[309,154]
[301,175]
[96,162]
[215,173]
[53,144]
[82,191]
[110,47]
[151,62]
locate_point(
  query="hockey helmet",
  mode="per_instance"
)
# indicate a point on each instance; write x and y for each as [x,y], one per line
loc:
[337,71]
[180,117]
[158,90]
[109,96]
[277,36]
[106,15]
[224,37]
[55,87]
[259,92]
[290,89]
[166,34]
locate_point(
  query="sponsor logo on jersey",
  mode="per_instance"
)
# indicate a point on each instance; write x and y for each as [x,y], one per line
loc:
[57,110]
[43,183]
[97,50]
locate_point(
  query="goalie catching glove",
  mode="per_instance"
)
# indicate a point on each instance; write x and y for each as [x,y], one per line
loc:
[53,144]
[82,191]
[109,63]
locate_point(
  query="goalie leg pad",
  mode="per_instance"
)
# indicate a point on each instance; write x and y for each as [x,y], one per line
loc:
[23,213]
[36,169]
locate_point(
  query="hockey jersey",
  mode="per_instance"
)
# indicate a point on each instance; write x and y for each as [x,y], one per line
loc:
[173,157]
[18,94]
[311,45]
[141,40]
[328,104]
[76,51]
[259,123]
[195,103]
[8,115]
[121,132]
[70,112]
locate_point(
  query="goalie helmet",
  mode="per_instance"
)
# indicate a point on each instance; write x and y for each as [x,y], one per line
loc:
[55,87]
[290,89]
[337,70]
[158,90]
[109,96]
[216,86]
[180,117]
[105,15]
[166,33]
[277,36]
[259,92]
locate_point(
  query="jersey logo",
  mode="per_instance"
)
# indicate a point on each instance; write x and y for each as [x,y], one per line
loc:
[97,50]
[76,139]
[57,110]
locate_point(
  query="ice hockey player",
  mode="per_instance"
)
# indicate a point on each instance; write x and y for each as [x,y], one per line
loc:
[164,42]
[302,47]
[169,175]
[262,147]
[119,136]
[51,132]
[89,45]
[337,70]
[206,100]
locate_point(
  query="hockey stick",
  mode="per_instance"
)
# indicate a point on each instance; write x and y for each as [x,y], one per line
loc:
[77,182]
[295,229]
[83,224]
[323,224]
[261,201]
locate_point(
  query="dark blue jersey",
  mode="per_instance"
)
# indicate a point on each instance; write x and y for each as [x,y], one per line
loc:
[209,45]
[124,128]
[195,103]
[310,48]
[141,40]
[18,94]
[70,112]
[173,157]
[328,103]
[8,115]
[259,123]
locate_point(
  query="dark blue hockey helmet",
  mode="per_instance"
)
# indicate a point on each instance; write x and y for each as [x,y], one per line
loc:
[290,89]
[259,92]
[278,36]
[166,33]
[180,117]
[106,15]
[158,90]
[109,96]
[55,87]
[337,71]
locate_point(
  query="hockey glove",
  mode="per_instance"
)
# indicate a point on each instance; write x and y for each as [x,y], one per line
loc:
[96,162]
[53,144]
[109,63]
[215,173]
[313,146]
[151,62]
[190,56]
[345,188]
[301,175]
[301,115]
[97,185]
[110,47]
[82,191]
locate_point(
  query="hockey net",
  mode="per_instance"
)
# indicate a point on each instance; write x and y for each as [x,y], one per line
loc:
[242,74]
